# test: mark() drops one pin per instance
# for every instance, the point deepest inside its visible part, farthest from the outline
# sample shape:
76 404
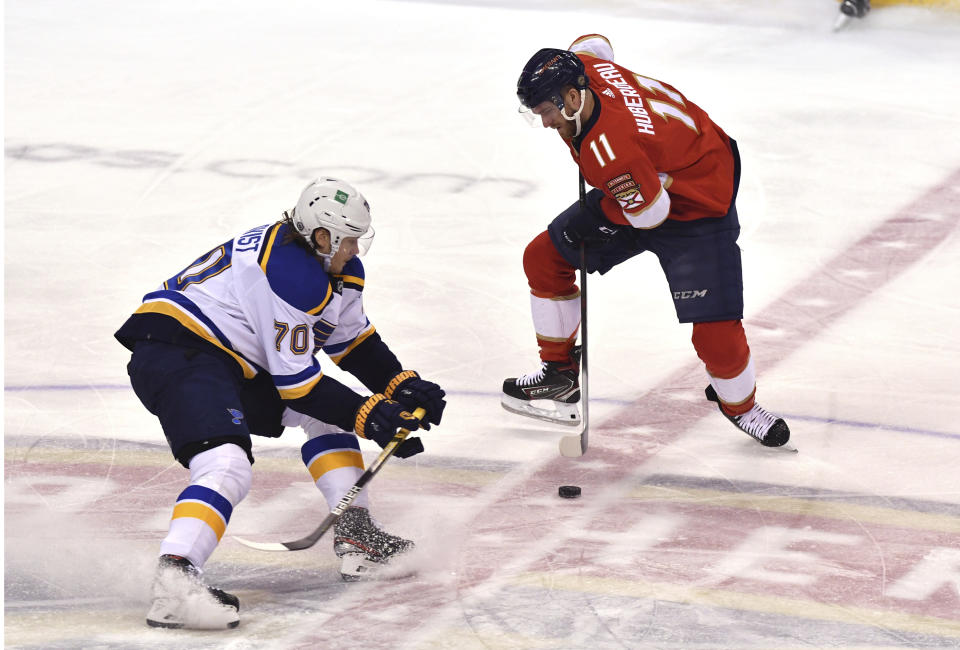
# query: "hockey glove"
411 391
588 225
379 418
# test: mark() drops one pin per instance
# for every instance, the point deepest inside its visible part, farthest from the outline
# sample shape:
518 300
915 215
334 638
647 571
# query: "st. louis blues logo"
237 415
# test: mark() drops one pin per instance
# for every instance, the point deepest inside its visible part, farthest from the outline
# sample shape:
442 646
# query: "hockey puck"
569 491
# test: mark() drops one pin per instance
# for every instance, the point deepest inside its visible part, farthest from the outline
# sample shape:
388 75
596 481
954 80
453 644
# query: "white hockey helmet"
339 208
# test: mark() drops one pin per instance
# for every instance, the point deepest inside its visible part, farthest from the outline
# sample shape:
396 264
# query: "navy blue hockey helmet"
546 74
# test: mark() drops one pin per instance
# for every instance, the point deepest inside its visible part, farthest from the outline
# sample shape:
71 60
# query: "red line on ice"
800 315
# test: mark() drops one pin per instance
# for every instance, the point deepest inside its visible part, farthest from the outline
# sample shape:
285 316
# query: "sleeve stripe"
336 358
321 332
299 390
288 381
324 327
353 280
653 214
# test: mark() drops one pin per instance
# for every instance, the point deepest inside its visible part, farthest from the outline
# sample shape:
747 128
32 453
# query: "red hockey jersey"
646 139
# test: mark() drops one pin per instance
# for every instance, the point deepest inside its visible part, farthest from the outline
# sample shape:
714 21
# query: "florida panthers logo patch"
629 200
626 191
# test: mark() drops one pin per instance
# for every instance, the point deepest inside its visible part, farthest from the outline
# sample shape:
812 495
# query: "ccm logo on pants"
684 295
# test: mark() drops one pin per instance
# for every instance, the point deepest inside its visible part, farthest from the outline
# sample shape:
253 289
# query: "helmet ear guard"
337 207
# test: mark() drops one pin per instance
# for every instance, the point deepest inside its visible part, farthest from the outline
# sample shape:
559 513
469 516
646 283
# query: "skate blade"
195 613
229 625
841 22
565 414
786 447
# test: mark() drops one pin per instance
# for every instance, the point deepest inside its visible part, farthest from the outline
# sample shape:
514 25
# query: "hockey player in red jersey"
225 350
665 179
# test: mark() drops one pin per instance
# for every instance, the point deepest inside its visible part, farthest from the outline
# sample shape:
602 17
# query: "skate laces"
757 421
533 377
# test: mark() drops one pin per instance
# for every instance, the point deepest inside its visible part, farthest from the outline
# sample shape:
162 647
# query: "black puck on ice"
569 491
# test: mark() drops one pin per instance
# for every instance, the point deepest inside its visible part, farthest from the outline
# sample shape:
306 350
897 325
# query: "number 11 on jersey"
606 148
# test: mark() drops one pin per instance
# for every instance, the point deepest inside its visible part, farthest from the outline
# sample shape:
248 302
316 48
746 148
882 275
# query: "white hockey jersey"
266 302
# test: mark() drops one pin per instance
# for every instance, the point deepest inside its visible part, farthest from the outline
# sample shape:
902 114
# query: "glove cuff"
364 412
397 380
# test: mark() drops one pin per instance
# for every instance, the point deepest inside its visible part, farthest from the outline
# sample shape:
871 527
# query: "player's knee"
534 253
545 268
224 469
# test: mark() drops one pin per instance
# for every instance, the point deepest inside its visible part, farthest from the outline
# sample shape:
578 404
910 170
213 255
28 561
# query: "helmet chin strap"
576 116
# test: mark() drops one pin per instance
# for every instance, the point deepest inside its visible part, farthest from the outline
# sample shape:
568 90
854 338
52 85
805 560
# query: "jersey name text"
631 98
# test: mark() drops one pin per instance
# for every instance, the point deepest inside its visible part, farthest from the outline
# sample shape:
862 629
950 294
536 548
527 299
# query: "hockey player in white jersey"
225 349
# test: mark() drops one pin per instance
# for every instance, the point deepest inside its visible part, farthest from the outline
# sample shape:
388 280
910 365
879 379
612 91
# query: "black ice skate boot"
182 600
855 8
768 429
556 382
364 550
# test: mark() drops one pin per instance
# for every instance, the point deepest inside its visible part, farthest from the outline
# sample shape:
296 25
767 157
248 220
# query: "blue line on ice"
473 393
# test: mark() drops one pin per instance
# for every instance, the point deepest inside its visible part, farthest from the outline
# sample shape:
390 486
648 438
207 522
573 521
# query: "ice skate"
850 9
768 429
182 600
855 8
364 550
551 393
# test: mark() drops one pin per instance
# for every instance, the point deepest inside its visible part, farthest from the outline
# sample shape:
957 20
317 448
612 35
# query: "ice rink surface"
139 135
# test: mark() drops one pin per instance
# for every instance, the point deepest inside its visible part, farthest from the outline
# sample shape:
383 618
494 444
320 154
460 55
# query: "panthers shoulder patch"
626 191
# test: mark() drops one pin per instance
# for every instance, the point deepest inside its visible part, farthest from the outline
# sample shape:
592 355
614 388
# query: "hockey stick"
331 519
574 446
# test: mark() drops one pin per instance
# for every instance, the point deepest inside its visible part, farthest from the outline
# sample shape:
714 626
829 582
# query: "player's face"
349 248
551 118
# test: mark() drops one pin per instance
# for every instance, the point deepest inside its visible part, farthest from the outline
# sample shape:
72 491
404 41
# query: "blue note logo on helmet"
546 74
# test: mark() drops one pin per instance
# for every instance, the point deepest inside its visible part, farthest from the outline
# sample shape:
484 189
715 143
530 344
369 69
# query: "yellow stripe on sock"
204 513
334 460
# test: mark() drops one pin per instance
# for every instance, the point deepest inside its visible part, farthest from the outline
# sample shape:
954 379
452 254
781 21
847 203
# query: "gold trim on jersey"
351 279
296 392
165 308
357 341
268 247
326 300
264 259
